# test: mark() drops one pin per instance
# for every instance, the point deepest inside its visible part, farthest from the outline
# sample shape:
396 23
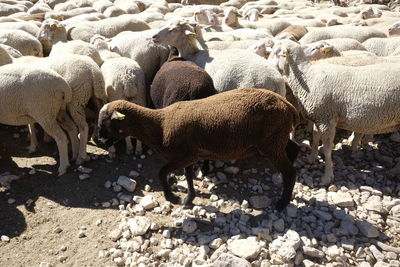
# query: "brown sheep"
229 125
296 31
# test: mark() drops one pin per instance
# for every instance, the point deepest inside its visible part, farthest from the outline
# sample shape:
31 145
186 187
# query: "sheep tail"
67 96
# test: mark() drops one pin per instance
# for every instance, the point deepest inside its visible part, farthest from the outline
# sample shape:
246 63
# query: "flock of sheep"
335 63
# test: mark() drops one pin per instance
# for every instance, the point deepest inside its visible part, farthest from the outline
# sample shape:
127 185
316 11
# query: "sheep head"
370 12
284 53
231 15
206 17
111 124
253 15
394 29
173 33
100 42
320 50
51 32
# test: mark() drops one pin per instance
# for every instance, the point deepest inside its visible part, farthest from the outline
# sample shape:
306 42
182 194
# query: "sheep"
253 15
25 91
229 69
262 47
5 58
14 53
113 11
23 42
320 50
394 29
83 18
206 17
128 6
297 31
382 46
106 27
139 47
341 31
22 25
87 83
229 125
241 44
39 8
345 44
6 10
349 98
77 47
70 13
102 5
234 3
100 43
124 79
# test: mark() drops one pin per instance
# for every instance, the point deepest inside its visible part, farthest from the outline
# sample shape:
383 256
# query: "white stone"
189 226
81 234
5 238
84 176
367 229
341 199
134 174
45 264
313 252
115 235
147 188
374 203
32 171
231 170
333 251
260 202
148 202
57 230
106 204
107 184
84 170
283 249
127 183
139 225
245 248
226 259
11 201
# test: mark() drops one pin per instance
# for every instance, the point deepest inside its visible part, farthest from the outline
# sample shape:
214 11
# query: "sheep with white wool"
229 69
83 18
345 44
69 14
125 80
341 31
24 93
382 46
229 125
23 42
106 27
128 6
5 58
139 47
101 5
101 44
86 82
113 11
345 97
28 27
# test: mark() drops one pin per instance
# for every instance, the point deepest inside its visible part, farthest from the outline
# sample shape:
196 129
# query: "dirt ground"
45 201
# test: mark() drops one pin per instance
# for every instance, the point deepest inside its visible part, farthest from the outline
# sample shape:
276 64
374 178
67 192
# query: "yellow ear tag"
120 116
62 18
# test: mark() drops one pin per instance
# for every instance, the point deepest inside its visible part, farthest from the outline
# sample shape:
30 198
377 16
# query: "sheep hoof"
62 170
326 179
281 205
172 198
187 203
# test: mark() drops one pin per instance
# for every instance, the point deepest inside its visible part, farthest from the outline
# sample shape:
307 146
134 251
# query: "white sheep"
345 44
5 58
139 47
101 44
341 31
106 27
23 42
113 11
83 18
382 46
14 53
343 97
77 47
125 80
229 69
39 8
128 6
394 29
28 27
86 82
25 91
70 13
101 5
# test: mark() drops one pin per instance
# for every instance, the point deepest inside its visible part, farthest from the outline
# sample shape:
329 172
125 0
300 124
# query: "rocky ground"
112 212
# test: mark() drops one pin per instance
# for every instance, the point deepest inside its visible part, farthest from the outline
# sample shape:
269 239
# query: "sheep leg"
314 148
284 165
205 167
189 174
55 131
139 148
68 125
33 139
163 173
129 146
78 116
46 137
327 142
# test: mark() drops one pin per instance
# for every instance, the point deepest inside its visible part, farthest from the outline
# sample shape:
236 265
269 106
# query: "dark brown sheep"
229 125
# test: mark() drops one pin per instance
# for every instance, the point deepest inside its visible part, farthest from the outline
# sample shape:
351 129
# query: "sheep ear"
3 40
190 33
260 15
221 15
117 116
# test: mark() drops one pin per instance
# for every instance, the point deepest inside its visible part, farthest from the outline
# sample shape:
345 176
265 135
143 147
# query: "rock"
62 258
106 204
308 263
395 137
333 251
84 170
325 216
107 184
245 248
45 264
395 211
283 249
367 229
148 202
313 252
11 201
260 202
5 238
245 204
374 203
189 226
115 235
364 264
81 234
57 230
291 211
147 188
229 260
231 170
279 225
341 199
139 225
127 183
117 188
216 243
84 176
32 171
331 238
377 254
134 174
